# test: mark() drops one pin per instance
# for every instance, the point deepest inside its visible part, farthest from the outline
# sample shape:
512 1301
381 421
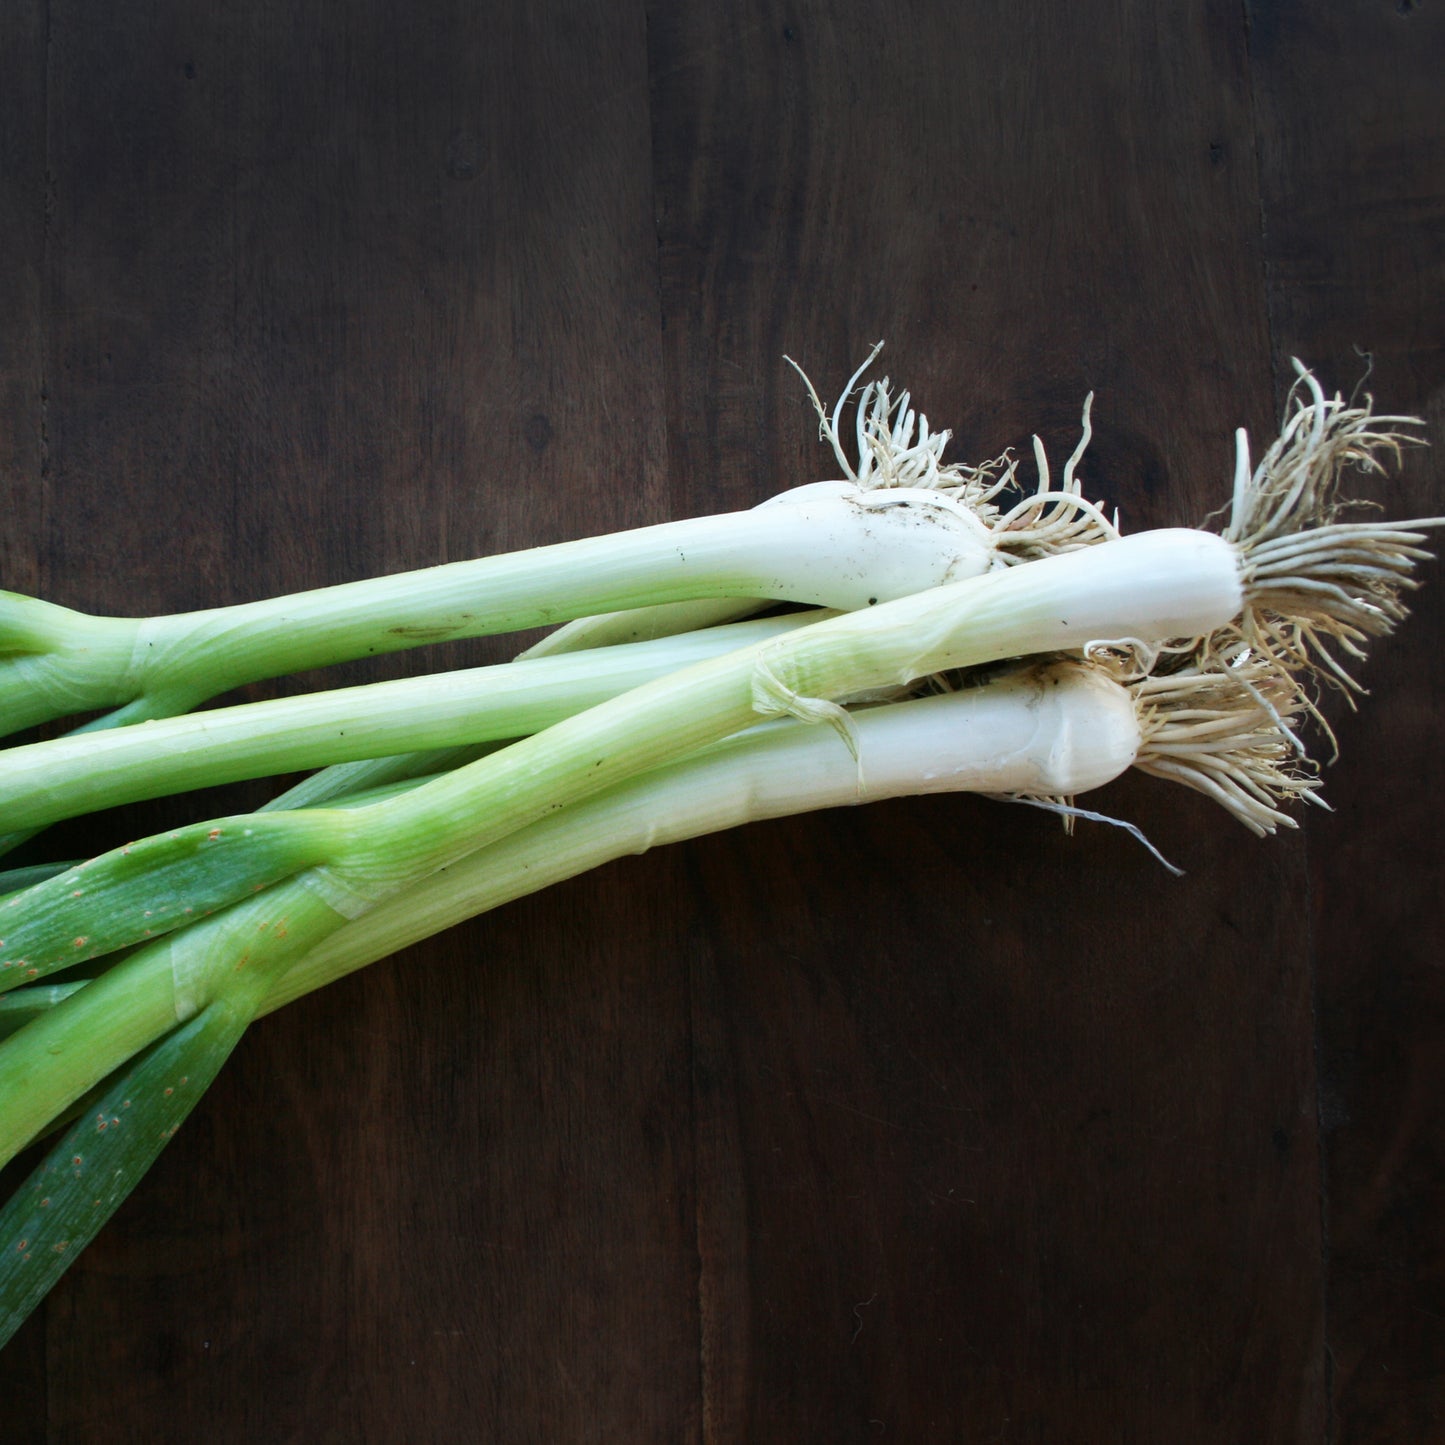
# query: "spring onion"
835 548
1045 732
222 911
299 877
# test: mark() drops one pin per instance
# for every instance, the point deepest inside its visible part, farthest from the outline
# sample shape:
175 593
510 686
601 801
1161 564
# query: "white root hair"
1221 723
1311 578
1070 812
1219 714
895 447
1218 720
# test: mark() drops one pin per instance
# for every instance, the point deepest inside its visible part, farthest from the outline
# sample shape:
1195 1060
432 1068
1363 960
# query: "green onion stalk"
1041 733
832 548
43 782
221 911
310 870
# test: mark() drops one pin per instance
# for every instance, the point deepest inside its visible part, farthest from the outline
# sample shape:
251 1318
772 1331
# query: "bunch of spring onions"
1026 651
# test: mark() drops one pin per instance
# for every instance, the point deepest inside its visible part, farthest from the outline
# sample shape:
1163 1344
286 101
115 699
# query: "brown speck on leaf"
79 943
214 833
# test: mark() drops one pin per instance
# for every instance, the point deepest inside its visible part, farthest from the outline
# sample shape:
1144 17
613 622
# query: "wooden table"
918 1123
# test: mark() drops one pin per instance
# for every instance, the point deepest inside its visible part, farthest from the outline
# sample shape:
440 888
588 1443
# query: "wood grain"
24 465
960 1152
925 1122
1355 241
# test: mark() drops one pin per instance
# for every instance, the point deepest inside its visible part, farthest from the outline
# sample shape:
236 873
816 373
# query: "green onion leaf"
101 1158
151 887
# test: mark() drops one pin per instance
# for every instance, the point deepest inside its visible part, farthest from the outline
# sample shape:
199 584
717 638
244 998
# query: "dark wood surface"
918 1123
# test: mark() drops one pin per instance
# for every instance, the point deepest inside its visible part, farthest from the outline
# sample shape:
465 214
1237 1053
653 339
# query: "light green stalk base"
45 782
644 624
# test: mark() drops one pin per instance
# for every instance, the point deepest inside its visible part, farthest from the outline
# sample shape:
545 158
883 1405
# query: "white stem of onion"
1055 730
829 548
